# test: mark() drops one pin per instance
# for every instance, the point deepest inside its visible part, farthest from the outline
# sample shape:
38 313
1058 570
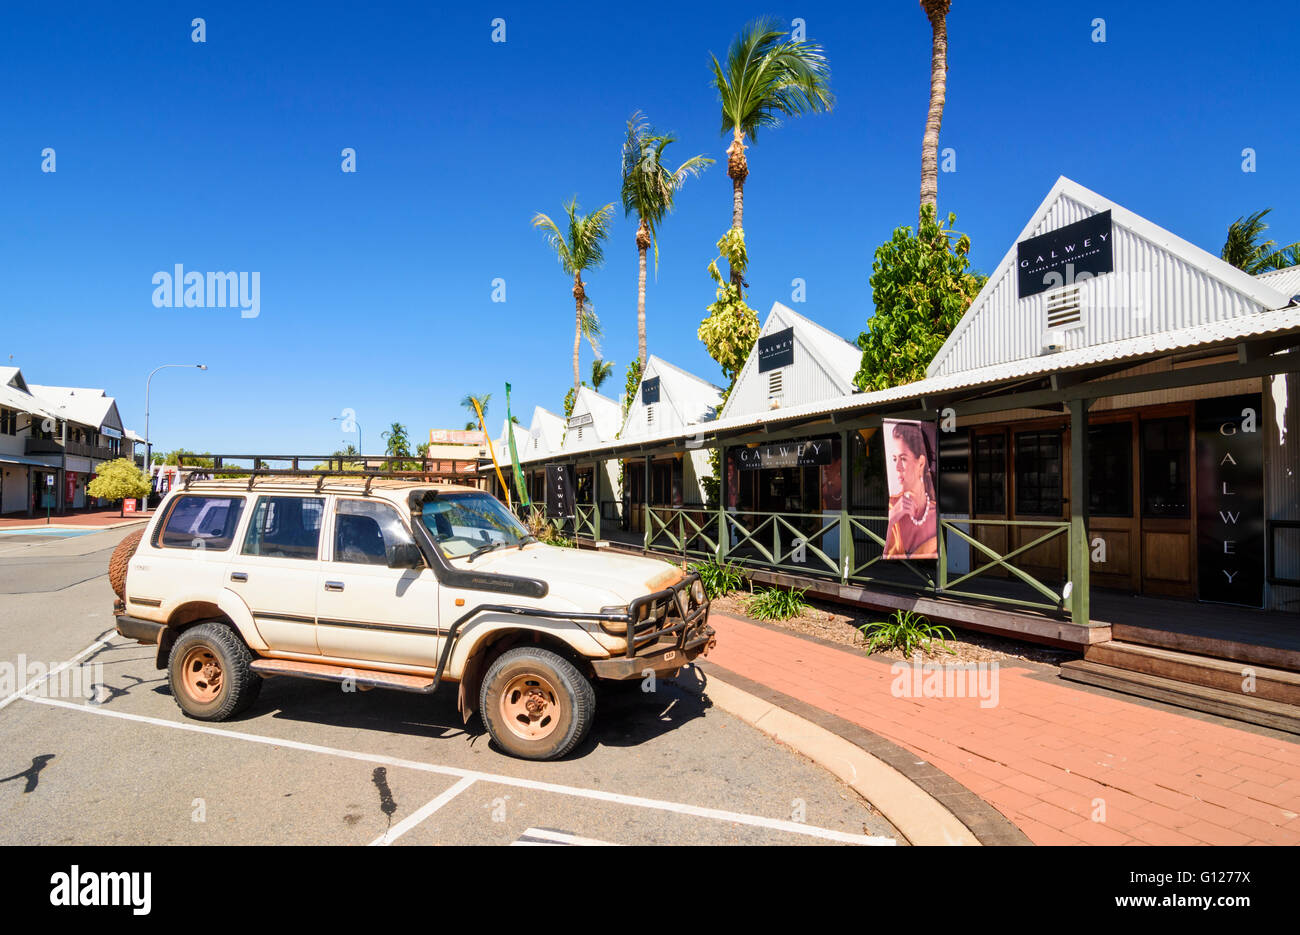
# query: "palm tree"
936 11
579 248
648 190
396 444
600 371
469 401
1245 249
768 75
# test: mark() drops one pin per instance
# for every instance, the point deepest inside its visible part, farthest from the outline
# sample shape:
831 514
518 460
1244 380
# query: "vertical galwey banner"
1230 525
514 456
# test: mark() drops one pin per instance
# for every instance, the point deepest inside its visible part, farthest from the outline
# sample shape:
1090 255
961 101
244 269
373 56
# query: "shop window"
1038 473
1110 469
1165 480
990 474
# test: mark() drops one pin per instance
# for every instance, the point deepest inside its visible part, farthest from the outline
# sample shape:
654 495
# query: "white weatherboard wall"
1160 283
685 400
606 419
545 434
823 368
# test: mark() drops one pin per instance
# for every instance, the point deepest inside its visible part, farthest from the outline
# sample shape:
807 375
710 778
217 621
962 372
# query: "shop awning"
29 462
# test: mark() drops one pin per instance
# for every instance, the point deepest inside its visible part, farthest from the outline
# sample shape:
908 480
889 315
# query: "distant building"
52 441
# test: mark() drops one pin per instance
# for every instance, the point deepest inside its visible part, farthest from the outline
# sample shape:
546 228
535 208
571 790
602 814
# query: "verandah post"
646 520
1078 545
846 532
721 548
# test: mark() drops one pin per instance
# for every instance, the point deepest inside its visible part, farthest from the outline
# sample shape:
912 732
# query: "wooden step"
1233 705
1223 674
1185 639
362 678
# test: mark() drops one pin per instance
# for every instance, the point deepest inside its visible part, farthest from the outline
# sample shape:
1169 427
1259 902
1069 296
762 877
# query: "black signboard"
1063 256
1230 500
559 491
650 391
809 453
776 350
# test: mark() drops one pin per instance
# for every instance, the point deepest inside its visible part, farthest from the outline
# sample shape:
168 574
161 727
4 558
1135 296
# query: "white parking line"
680 808
417 816
549 837
105 640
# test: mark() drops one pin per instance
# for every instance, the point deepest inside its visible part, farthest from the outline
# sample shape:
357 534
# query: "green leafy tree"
648 190
921 285
579 248
120 480
632 381
1246 249
767 76
173 458
731 328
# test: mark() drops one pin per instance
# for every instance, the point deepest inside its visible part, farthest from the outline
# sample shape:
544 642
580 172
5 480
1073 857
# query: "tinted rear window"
195 522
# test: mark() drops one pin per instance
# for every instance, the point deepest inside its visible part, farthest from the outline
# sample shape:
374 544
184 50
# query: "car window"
201 522
285 527
365 532
462 522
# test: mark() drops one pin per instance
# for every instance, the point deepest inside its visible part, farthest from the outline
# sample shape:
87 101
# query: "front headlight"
697 591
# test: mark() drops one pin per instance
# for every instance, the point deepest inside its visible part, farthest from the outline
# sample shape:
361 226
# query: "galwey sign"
1230 523
1064 256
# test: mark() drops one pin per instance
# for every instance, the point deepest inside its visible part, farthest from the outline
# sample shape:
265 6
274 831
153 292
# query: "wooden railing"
850 548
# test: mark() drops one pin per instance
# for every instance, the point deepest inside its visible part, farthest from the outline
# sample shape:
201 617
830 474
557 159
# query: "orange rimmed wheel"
536 704
210 674
530 707
201 674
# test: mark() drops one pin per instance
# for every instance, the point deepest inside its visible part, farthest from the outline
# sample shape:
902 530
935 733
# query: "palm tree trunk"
579 296
936 11
738 170
642 244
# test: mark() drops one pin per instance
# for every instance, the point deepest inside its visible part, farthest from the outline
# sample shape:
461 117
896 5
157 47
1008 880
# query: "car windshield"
462 523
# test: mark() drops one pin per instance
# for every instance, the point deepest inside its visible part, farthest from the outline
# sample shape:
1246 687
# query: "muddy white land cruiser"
388 583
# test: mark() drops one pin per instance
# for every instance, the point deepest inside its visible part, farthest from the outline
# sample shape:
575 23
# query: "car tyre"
209 672
536 704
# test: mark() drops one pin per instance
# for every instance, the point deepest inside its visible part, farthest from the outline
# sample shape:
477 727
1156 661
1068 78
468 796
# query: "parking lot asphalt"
312 764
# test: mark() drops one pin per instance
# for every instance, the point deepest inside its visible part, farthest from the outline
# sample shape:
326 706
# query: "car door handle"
239 576
333 585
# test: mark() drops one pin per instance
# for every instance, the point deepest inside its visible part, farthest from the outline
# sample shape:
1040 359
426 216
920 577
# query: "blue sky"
376 286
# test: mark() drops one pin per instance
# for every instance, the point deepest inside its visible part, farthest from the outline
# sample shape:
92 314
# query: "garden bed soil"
839 623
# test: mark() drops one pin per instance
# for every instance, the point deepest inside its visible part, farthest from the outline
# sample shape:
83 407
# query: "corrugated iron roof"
1227 331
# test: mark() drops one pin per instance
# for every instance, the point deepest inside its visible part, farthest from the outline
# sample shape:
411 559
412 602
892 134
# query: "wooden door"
1167 519
989 463
1114 528
1040 482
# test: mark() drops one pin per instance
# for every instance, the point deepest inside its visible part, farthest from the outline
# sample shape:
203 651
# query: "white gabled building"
595 420
794 362
667 400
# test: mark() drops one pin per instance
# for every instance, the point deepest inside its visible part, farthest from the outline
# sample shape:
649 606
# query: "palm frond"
768 76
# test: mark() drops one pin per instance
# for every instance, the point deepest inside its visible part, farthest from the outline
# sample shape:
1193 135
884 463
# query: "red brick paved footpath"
1047 750
93 518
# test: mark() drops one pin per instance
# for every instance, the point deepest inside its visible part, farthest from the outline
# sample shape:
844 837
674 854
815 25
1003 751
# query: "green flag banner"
514 456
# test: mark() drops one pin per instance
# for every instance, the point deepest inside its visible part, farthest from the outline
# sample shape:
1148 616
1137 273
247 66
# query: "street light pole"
148 446
360 446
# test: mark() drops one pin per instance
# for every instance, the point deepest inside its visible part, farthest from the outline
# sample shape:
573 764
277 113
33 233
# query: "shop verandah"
1016 556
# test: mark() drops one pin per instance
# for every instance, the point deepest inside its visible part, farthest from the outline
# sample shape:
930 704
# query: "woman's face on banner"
908 466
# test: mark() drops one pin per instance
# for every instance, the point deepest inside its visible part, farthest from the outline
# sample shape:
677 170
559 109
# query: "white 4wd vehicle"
385 583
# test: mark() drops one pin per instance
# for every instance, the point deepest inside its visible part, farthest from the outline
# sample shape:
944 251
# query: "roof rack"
326 467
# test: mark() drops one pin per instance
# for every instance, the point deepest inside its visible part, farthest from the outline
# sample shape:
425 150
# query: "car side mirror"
405 555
